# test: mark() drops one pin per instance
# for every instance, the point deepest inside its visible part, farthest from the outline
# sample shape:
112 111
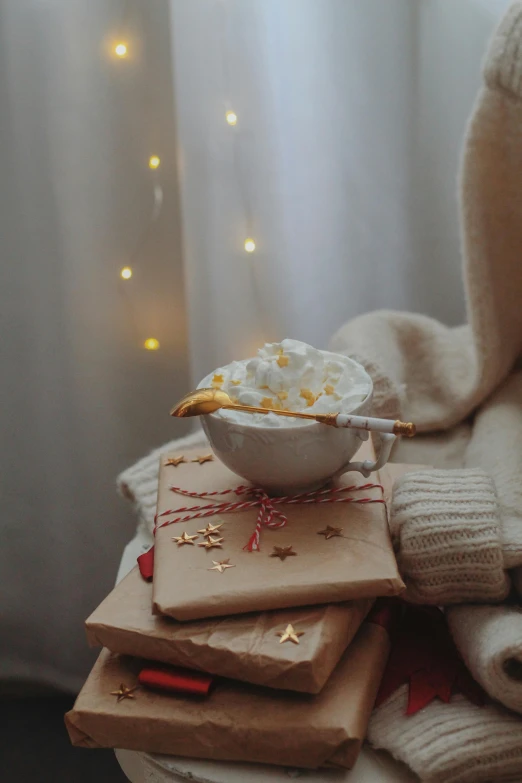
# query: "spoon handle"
371 423
340 420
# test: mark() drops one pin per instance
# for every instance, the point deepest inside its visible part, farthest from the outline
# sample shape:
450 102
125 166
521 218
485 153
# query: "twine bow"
254 497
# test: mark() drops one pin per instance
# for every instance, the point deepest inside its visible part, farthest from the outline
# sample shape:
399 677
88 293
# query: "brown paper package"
237 722
243 647
358 564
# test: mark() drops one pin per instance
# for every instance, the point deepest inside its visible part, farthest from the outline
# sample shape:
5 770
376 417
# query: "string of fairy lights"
122 49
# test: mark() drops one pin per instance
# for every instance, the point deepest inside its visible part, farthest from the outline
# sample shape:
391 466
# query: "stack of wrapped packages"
250 631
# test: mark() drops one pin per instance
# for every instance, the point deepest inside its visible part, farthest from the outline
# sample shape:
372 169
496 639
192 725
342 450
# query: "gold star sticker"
210 529
184 538
282 552
331 532
203 459
175 461
289 635
221 565
124 692
210 543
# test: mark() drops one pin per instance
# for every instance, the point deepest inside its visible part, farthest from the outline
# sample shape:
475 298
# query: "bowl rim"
289 427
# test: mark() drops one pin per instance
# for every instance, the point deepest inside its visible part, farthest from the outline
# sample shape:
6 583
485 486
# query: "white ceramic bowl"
290 459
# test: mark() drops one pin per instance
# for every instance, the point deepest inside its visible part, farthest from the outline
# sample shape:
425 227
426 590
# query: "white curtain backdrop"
341 167
80 398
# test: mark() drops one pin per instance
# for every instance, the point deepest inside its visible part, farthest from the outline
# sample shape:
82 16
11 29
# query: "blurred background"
179 182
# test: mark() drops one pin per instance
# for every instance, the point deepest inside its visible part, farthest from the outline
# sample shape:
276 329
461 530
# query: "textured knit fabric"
444 534
490 642
450 743
445 528
438 376
496 447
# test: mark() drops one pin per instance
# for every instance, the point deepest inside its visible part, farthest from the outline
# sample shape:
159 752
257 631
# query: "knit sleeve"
495 446
450 743
445 527
421 369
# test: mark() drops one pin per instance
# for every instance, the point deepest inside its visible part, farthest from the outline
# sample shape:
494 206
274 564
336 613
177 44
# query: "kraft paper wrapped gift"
244 647
187 585
237 722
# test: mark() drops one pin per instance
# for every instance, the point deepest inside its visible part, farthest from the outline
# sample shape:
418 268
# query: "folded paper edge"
390 587
92 638
78 737
345 755
100 636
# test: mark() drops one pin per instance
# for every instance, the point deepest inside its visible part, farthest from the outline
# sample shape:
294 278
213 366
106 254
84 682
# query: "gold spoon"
204 401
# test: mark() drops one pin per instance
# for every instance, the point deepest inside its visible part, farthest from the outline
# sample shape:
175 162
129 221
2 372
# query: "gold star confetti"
184 538
175 461
210 543
203 459
289 635
331 532
221 565
124 692
210 529
282 552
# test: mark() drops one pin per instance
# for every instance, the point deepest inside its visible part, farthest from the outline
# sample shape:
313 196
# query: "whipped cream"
292 376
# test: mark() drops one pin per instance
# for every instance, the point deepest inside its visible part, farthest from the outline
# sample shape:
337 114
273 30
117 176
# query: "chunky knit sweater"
437 376
458 532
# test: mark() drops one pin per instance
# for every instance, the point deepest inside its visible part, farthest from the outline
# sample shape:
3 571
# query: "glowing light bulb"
151 344
126 273
250 245
231 117
121 49
154 162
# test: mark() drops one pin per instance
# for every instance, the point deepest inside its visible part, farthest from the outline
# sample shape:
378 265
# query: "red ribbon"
386 613
257 497
424 656
172 679
146 564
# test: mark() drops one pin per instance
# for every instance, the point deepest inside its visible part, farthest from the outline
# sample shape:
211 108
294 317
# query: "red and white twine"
268 515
